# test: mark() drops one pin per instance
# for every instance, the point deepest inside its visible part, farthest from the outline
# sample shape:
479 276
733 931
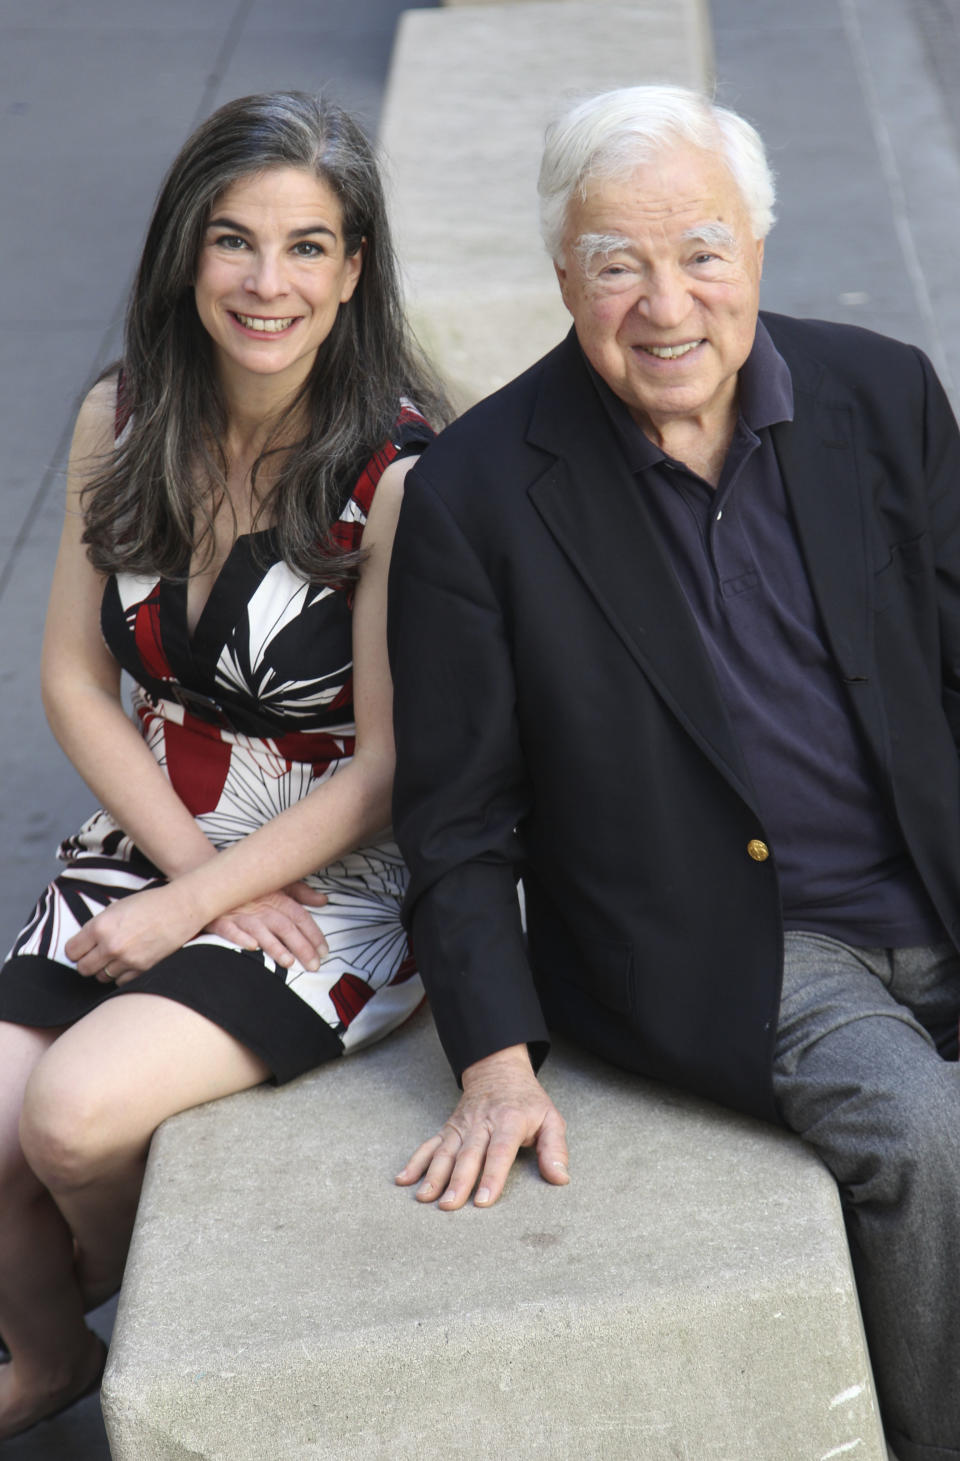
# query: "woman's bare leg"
54 1355
94 1101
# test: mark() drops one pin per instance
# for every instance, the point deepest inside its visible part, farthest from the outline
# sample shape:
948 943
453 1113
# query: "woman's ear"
352 272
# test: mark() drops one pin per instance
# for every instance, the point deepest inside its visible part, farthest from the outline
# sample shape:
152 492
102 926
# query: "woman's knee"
18 1181
68 1133
20 1051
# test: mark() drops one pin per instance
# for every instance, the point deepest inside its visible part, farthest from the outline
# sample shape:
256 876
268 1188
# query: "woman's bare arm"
81 679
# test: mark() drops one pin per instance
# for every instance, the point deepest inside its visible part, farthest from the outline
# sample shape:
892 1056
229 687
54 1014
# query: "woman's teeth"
266 327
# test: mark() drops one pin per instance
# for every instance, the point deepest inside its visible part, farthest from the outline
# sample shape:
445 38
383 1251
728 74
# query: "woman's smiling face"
272 273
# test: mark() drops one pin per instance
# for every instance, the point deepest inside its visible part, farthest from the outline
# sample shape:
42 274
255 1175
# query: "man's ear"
563 279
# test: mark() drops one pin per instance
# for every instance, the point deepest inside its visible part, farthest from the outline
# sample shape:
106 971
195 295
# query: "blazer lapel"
595 510
820 469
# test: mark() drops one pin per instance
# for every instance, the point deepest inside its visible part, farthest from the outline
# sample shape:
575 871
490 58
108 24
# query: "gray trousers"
866 1072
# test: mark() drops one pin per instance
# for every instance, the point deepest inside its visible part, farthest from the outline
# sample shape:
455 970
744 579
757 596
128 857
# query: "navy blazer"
557 716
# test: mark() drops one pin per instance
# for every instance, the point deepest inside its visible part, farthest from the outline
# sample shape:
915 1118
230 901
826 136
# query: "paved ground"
857 98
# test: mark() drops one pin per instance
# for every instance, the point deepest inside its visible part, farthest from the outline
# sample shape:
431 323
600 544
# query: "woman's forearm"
348 810
109 753
345 812
239 893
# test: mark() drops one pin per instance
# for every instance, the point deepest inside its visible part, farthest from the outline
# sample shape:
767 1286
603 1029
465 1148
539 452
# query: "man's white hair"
611 134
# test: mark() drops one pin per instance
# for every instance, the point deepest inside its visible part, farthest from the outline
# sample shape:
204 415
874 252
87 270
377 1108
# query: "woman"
232 495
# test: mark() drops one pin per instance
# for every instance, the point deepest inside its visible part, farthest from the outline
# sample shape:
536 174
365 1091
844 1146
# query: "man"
676 635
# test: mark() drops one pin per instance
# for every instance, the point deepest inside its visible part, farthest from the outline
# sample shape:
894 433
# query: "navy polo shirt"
841 860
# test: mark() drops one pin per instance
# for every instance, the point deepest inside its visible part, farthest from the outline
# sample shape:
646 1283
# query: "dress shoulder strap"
411 434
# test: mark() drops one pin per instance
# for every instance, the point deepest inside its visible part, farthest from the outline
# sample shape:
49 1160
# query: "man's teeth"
670 352
266 327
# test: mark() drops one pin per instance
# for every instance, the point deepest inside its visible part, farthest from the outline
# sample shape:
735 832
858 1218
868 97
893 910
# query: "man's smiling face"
661 273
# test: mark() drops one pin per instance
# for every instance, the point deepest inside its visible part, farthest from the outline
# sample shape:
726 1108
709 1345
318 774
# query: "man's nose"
665 300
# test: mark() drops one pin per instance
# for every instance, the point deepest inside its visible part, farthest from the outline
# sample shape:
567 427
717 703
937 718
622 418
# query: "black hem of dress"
232 989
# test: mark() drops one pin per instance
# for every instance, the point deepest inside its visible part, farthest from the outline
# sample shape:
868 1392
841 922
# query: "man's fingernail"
562 1167
483 1196
449 1196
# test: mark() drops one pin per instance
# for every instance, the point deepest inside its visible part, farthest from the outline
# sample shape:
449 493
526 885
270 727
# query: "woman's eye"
232 242
306 249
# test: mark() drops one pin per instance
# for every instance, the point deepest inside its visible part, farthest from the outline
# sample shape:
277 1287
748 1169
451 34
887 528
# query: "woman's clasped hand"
133 934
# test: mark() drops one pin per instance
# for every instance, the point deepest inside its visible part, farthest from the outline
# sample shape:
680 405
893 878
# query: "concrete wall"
471 90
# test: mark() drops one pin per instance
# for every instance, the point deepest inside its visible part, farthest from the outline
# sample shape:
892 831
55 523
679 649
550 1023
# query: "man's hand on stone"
503 1108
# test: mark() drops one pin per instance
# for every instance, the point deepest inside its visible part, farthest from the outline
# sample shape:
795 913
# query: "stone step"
688 1295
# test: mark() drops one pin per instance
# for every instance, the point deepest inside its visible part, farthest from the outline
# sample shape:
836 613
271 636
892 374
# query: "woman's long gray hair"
155 500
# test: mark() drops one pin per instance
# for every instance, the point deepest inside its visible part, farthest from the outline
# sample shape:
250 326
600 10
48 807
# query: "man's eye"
615 277
705 258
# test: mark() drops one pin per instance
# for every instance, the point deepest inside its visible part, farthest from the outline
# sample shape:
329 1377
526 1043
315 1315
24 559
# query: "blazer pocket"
906 561
605 971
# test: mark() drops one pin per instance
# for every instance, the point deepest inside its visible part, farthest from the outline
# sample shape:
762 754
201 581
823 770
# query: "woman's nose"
267 277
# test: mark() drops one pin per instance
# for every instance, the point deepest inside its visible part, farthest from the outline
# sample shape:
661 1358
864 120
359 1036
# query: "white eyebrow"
714 235
589 245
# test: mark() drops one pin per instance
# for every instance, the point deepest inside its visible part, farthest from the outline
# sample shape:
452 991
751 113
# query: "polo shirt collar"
765 399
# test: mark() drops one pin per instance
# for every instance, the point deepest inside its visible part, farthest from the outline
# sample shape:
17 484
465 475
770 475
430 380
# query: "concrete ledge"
688 1295
471 90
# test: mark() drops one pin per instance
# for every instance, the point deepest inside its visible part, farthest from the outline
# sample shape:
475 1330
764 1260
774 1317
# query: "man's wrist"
513 1057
